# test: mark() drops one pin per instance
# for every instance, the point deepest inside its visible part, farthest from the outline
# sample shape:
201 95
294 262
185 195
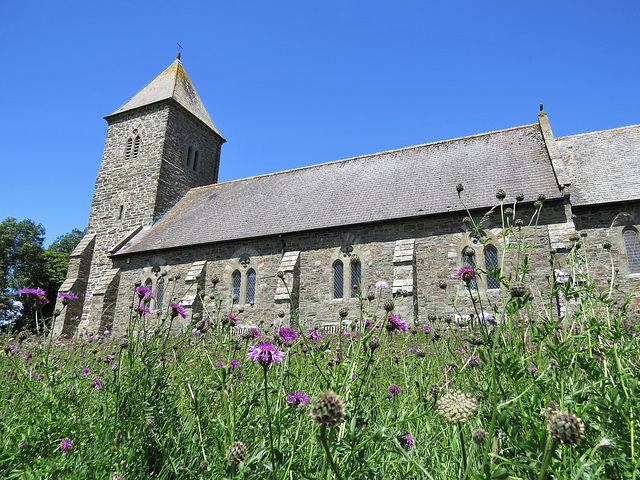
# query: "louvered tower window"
491 264
136 147
127 151
338 279
632 247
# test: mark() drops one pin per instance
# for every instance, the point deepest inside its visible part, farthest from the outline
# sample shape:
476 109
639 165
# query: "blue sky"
295 83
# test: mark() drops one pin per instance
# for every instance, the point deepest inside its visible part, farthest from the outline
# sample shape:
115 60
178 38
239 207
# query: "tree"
24 262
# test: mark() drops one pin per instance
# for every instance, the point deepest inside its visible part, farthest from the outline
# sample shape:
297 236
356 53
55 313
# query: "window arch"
632 248
338 279
236 286
490 265
346 271
192 160
251 286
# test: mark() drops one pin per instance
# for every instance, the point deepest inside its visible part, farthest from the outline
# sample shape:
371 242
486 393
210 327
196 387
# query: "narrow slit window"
491 264
120 212
632 247
160 293
136 147
237 282
251 286
338 279
189 156
195 161
356 278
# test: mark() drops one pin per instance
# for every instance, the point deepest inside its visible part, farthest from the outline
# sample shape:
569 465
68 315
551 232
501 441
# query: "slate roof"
172 83
406 183
604 166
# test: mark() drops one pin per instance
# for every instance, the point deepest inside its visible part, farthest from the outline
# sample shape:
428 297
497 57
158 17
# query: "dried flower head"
479 435
520 197
500 194
457 406
237 453
565 428
459 188
343 312
518 222
389 305
606 245
327 409
518 289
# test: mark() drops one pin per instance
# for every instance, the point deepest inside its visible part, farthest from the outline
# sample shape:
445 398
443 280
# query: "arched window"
127 151
490 265
237 283
251 286
189 150
632 247
136 147
149 284
356 278
195 161
338 279
160 293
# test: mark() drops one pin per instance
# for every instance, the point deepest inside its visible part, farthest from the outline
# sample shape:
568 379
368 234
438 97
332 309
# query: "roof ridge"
597 131
385 152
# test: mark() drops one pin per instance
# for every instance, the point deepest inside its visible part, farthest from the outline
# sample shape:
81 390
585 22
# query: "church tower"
159 145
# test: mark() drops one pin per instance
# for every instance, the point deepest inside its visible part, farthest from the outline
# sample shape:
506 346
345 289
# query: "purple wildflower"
255 333
288 334
381 284
234 363
65 446
394 389
532 368
296 398
143 309
407 441
232 319
313 335
265 353
39 295
66 297
466 274
143 291
86 371
396 323
177 309
97 383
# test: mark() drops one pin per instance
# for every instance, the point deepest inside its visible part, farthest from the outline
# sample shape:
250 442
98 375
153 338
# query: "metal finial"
541 107
179 49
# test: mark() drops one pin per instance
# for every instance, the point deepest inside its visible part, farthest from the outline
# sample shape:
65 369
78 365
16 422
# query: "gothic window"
632 247
237 283
159 293
243 282
347 273
491 264
251 286
195 161
356 278
189 151
338 279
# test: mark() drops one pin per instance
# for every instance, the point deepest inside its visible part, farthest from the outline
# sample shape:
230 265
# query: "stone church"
321 236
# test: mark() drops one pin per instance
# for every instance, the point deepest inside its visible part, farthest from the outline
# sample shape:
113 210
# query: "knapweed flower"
143 309
97 383
327 409
394 390
177 309
65 446
288 334
406 441
313 335
381 284
237 453
565 428
395 323
255 333
265 353
466 274
86 371
67 297
143 291
38 294
297 398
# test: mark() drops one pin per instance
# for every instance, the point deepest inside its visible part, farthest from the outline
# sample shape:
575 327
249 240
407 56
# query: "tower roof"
173 82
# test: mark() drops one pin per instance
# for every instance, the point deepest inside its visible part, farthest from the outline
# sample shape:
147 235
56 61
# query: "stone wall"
438 242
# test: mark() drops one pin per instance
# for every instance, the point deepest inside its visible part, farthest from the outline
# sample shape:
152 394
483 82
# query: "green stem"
325 444
549 449
266 404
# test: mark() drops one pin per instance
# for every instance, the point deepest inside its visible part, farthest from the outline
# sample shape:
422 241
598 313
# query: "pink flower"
177 309
265 353
466 274
65 446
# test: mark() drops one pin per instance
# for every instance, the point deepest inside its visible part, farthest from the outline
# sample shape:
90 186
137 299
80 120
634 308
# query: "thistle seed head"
237 453
566 428
327 409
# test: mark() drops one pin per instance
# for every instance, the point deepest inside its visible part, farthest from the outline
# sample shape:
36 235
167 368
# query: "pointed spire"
173 83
